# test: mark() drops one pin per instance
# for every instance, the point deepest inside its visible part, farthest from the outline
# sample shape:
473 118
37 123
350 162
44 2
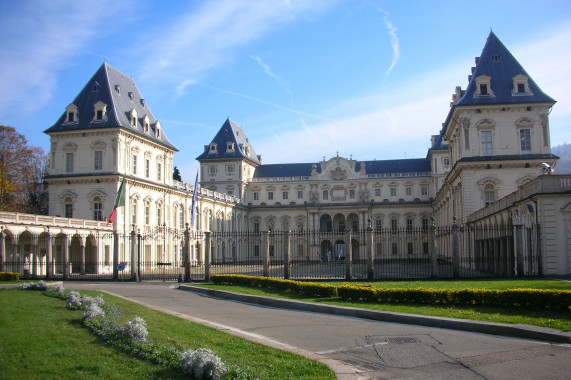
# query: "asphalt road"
367 349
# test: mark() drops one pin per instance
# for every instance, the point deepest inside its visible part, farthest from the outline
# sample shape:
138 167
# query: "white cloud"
395 44
209 35
37 42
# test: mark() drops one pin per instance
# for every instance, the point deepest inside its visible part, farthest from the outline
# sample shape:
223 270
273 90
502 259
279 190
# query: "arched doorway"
326 251
339 222
325 223
340 250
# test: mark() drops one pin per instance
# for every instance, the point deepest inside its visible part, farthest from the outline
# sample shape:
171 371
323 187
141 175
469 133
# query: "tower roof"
497 63
121 96
230 132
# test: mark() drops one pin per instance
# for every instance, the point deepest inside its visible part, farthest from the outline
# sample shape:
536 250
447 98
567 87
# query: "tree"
176 174
22 168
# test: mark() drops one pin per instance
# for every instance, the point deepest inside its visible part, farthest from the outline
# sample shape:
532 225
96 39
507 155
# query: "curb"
502 329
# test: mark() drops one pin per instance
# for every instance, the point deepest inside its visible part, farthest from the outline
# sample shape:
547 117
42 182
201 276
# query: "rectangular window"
212 169
285 195
377 192
352 194
394 248
70 116
99 114
378 224
230 169
181 218
408 190
525 137
486 143
147 168
97 211
159 217
256 196
483 89
98 160
425 224
68 212
256 227
409 248
521 88
272 250
159 171
409 224
270 195
425 248
489 197
147 215
325 195
134 164
394 224
393 191
256 251
69 162
446 161
424 190
299 194
134 214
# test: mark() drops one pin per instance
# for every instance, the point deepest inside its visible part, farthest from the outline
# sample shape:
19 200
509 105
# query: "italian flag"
119 201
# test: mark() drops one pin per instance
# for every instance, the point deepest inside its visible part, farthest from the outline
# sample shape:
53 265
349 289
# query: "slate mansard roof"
121 95
230 132
413 165
500 65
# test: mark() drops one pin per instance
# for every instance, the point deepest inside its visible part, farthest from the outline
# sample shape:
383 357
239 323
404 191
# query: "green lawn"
555 319
41 339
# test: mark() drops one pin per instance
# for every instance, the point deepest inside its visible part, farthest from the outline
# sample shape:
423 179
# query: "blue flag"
194 196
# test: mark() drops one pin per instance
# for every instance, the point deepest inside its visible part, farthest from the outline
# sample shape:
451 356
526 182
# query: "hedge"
535 298
9 276
310 289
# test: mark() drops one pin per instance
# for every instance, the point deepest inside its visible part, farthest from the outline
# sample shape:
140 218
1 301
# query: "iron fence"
172 254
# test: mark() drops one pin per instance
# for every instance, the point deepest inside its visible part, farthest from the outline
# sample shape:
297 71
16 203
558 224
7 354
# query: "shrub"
73 301
202 364
91 312
40 285
9 276
136 328
56 292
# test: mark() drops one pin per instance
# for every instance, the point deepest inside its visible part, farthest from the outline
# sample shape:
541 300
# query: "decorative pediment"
489 181
336 169
68 194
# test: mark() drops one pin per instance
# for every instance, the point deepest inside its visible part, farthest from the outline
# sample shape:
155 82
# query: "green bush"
310 289
9 276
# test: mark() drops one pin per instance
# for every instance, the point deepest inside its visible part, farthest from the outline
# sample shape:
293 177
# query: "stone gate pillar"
370 254
49 253
348 257
65 252
207 254
287 255
266 253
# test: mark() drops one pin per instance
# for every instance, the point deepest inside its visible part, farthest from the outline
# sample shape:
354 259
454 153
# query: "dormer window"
213 148
146 125
158 131
95 86
131 95
118 88
71 114
134 119
100 109
230 146
483 87
520 85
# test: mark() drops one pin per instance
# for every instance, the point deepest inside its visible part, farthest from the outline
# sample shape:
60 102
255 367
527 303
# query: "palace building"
493 143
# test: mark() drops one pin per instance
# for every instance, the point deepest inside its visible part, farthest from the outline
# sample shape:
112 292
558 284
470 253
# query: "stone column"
207 254
287 255
348 257
2 251
455 250
49 265
433 250
133 263
115 262
266 253
186 253
370 254
82 255
65 253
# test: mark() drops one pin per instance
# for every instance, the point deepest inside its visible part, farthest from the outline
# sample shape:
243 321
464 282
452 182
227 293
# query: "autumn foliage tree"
22 169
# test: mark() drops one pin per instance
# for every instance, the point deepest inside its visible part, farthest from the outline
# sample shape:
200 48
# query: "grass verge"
554 319
41 339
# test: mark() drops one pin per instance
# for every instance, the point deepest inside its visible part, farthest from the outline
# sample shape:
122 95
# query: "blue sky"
304 79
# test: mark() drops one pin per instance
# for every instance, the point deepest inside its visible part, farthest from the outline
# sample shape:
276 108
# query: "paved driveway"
377 350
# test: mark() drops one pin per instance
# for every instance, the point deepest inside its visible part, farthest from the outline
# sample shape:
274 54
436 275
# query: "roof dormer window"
95 86
483 87
229 146
133 118
131 95
520 85
100 113
118 88
158 129
71 114
213 148
146 124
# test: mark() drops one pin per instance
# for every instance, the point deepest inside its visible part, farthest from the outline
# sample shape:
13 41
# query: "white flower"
202 364
91 312
136 328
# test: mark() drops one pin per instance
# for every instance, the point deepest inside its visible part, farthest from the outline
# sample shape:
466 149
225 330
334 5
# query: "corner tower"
229 161
497 132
